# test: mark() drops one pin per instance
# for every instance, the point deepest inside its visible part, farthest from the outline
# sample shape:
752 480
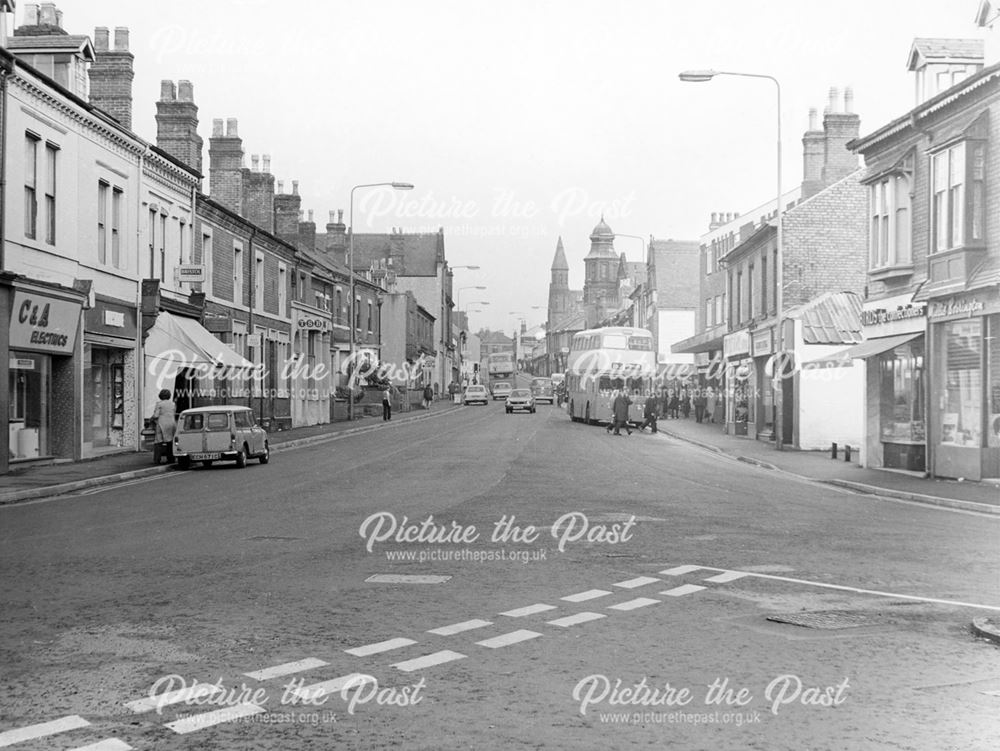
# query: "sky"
525 120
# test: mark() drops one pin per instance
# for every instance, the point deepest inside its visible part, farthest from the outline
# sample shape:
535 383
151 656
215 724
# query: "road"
646 629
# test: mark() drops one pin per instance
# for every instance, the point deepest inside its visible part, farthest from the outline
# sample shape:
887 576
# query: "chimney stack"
177 123
258 193
813 157
839 128
286 214
336 237
225 165
111 74
307 232
254 163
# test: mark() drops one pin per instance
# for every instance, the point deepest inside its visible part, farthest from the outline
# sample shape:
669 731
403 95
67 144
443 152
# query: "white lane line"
590 594
639 581
505 640
382 646
572 620
728 576
286 668
529 610
457 628
684 589
197 691
71 722
407 579
680 570
215 717
319 690
108 744
437 658
859 590
638 602
128 483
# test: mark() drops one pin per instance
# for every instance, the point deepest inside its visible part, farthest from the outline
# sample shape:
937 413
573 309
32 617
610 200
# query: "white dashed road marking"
684 589
529 610
10 737
680 570
427 661
457 628
590 594
215 717
382 646
319 690
197 691
110 744
505 640
639 602
639 581
287 668
572 620
728 576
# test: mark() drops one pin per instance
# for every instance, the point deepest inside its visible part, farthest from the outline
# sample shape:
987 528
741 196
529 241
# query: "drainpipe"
6 70
253 329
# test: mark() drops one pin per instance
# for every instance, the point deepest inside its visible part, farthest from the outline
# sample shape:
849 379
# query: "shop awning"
867 348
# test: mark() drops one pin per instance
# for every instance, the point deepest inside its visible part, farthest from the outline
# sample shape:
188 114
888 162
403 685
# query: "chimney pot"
340 216
281 186
31 14
59 17
813 122
310 215
333 215
217 128
714 215
266 163
849 100
48 14
231 128
100 33
185 91
121 39
834 95
295 187
254 163
302 215
168 92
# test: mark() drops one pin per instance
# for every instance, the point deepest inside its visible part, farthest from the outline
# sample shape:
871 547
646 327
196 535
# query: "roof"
416 254
573 322
51 43
931 48
218 408
832 318
602 229
559 262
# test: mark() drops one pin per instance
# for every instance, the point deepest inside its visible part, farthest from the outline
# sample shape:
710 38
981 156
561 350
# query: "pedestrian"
619 412
700 402
387 403
666 403
685 404
710 402
165 417
649 412
674 404
428 396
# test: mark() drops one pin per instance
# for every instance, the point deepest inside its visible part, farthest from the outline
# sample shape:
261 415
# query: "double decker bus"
606 359
499 367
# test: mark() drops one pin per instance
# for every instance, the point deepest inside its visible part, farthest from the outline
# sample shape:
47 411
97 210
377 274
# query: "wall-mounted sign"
192 273
21 363
956 306
44 324
884 316
114 318
253 340
736 343
762 343
313 323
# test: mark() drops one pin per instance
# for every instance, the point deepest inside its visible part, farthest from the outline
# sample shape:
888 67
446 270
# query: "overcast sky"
519 122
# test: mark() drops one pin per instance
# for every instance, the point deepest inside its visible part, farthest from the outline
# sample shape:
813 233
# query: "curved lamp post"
778 368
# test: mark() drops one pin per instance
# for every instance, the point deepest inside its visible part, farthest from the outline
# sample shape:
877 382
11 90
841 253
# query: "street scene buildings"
211 539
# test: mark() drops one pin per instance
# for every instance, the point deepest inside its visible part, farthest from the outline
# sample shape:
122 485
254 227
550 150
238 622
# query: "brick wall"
111 76
177 123
225 153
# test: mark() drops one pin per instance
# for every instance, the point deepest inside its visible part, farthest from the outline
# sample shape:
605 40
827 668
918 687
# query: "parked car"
220 433
500 390
476 393
520 399
541 389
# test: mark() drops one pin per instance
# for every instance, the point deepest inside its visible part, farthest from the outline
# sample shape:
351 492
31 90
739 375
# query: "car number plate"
204 457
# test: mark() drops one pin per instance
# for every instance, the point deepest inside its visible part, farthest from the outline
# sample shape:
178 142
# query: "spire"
559 262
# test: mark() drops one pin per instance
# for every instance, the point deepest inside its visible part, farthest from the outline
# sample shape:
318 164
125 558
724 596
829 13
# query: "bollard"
833 451
847 452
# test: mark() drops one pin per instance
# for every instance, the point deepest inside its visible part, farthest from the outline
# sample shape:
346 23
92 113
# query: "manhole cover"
825 619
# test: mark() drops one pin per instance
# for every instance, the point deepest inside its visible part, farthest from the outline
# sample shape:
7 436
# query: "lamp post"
634 237
778 367
350 270
458 294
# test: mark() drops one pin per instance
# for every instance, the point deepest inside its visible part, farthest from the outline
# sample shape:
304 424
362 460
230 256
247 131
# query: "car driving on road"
541 389
520 399
476 394
500 390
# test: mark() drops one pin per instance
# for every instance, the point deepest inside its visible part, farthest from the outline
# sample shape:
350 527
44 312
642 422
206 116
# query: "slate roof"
421 252
940 48
50 42
832 318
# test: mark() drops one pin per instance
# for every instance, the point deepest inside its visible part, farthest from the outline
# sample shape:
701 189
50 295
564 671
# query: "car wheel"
184 462
266 456
532 410
241 457
510 411
572 413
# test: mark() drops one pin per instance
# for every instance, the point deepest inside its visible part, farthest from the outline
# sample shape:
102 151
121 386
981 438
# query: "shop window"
901 394
993 364
29 395
963 386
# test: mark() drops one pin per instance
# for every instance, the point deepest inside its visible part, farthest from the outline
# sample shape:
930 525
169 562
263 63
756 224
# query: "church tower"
560 297
600 287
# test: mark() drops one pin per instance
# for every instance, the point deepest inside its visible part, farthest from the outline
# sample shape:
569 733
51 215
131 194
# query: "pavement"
819 466
28 482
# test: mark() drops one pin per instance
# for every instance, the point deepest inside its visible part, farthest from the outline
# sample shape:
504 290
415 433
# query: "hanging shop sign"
44 324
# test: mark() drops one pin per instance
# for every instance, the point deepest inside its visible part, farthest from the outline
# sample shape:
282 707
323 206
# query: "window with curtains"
959 195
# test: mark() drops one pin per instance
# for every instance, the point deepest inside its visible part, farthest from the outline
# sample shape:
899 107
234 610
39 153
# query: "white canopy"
175 343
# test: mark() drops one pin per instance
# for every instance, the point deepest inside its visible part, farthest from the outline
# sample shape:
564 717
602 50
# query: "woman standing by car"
165 417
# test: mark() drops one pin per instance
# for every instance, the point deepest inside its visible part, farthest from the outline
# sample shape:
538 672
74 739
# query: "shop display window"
29 394
993 363
901 387
961 418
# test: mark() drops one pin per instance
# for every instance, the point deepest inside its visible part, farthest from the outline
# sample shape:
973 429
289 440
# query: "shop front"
43 401
740 384
964 437
110 415
761 350
311 387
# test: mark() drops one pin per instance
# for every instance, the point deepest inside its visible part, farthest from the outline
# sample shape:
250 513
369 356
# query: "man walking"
387 403
649 412
619 413
428 396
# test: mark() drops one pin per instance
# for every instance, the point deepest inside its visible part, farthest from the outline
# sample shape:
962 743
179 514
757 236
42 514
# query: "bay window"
959 180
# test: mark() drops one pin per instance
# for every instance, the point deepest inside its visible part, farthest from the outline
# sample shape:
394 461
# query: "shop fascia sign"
884 316
956 306
736 343
44 324
313 323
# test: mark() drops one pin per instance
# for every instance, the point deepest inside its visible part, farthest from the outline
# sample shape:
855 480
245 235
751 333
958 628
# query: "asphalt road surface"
537 584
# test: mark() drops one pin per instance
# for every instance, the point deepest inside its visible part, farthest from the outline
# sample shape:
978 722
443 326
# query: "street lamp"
635 237
778 367
350 270
458 293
